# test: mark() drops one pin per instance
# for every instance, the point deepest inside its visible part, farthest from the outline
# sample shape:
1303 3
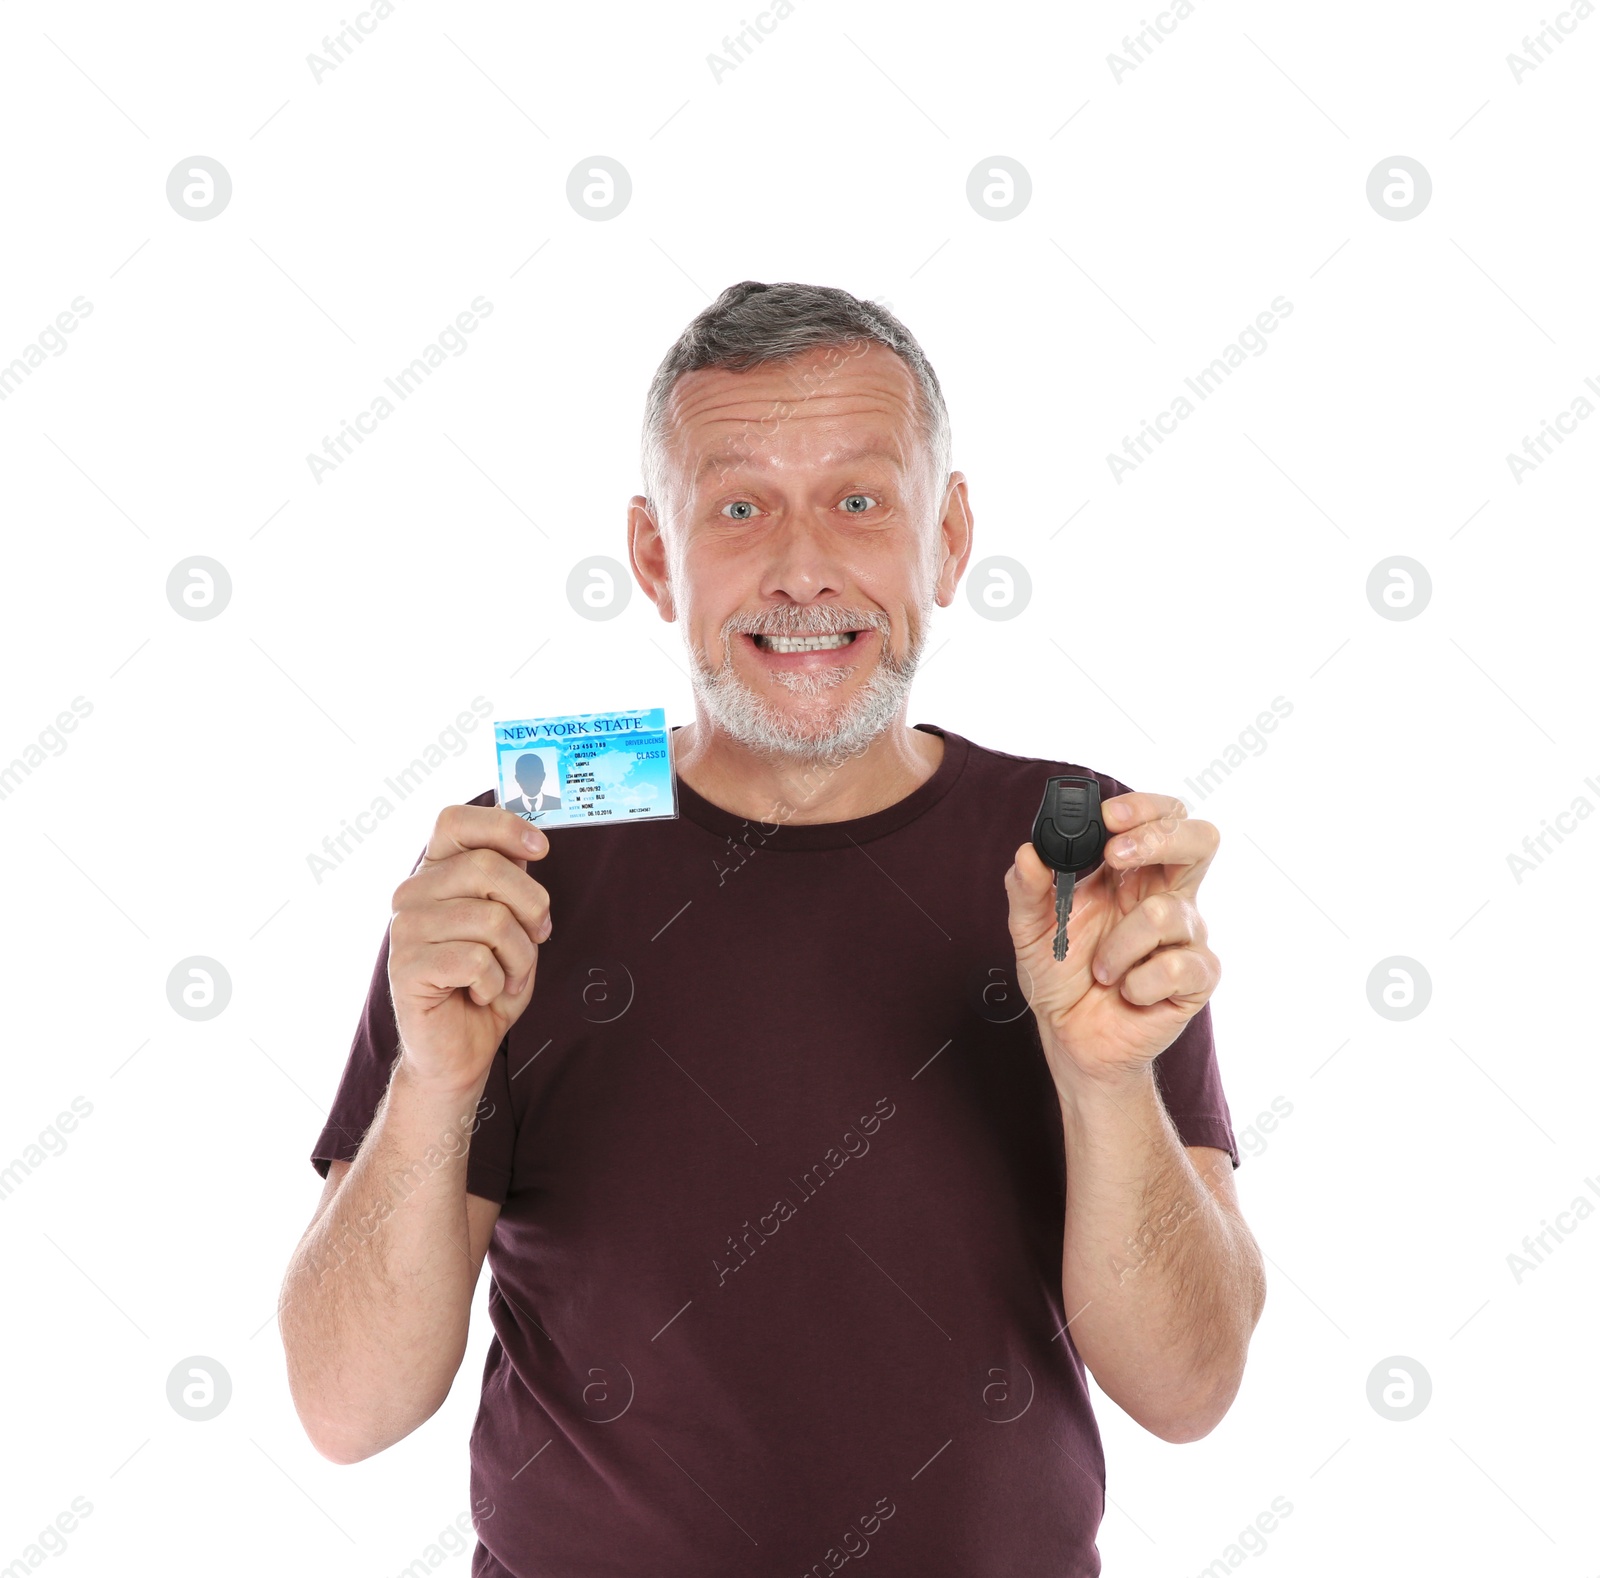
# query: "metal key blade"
1065 883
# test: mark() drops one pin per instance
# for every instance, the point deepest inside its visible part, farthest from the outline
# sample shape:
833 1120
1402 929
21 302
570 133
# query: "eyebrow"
731 462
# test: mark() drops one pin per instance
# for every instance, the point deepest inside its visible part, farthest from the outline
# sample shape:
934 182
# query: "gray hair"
751 323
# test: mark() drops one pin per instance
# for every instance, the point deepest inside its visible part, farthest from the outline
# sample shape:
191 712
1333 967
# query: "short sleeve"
1191 1088
1186 1073
366 1078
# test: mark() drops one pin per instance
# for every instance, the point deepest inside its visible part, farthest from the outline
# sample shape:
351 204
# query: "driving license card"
590 767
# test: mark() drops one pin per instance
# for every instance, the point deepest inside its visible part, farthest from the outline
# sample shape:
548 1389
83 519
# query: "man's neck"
729 775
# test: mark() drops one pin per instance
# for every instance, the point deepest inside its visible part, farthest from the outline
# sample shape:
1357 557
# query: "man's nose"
803 561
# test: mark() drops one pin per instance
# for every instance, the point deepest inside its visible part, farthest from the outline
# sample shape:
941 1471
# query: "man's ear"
955 539
647 556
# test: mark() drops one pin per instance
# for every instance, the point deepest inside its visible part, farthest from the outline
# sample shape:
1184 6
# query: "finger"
1029 875
444 966
1124 811
1166 843
1187 976
460 827
1030 891
1160 921
475 920
479 874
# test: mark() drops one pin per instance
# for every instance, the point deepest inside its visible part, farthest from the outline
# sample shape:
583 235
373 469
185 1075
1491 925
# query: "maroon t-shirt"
776 1280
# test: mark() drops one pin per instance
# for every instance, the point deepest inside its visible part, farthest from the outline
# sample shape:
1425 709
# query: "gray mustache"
813 622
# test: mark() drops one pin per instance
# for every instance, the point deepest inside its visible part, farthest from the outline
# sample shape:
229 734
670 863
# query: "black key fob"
1069 832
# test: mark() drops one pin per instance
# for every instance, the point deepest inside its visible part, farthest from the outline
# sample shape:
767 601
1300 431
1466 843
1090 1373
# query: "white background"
1168 609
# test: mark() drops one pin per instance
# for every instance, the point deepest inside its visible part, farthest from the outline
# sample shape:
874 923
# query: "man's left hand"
1137 967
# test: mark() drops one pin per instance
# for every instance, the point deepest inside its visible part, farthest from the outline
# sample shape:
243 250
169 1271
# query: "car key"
1069 835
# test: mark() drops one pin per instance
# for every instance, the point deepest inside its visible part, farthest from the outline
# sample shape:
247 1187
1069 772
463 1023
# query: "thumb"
1030 886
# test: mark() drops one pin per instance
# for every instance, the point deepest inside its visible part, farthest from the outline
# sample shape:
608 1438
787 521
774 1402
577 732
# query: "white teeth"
806 643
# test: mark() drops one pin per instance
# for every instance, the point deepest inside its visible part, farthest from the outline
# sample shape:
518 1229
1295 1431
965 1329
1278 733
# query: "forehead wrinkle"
760 452
707 391
741 409
762 459
707 400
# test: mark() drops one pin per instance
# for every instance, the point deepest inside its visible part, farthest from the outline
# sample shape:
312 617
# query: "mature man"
811 1180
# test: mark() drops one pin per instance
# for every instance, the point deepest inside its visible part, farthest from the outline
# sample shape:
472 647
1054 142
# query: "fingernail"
533 839
1125 848
1101 973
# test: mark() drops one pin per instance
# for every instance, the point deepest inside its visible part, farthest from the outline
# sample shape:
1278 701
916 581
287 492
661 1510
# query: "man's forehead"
831 405
765 457
823 382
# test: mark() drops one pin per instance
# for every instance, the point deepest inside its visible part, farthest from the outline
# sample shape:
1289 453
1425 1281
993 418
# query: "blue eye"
857 503
740 504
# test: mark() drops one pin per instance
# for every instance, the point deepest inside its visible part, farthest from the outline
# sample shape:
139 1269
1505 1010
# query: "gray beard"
816 734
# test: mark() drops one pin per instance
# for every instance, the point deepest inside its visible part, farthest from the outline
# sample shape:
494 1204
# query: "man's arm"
1161 1279
375 1305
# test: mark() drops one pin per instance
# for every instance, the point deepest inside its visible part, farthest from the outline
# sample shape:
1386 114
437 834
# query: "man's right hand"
463 943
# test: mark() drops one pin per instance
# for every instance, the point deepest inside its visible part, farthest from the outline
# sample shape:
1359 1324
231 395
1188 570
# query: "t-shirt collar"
783 834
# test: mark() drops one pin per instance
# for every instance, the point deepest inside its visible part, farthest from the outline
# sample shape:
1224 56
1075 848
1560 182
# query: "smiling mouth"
822 643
